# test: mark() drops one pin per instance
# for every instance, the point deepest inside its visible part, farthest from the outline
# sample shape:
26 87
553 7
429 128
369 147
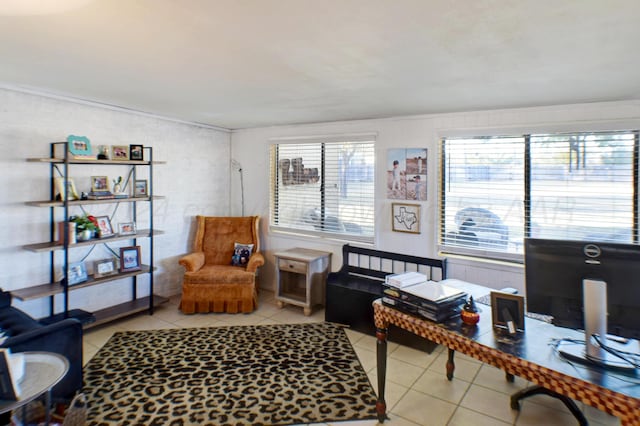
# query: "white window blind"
495 191
324 188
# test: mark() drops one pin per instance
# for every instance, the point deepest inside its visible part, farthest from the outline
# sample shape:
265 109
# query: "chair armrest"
193 261
64 338
255 261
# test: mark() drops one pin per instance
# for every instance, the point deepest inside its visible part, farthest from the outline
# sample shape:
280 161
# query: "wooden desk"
529 357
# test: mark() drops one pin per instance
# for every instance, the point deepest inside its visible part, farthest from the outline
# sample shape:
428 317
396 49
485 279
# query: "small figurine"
469 313
117 185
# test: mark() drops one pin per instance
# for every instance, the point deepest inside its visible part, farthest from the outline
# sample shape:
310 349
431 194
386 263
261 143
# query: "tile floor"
417 391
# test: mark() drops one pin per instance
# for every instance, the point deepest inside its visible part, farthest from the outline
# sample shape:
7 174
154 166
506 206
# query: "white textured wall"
195 180
251 147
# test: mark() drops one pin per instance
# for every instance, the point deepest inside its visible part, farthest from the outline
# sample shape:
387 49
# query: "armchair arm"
193 261
64 338
255 261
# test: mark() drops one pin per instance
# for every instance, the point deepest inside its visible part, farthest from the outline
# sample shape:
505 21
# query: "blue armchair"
64 337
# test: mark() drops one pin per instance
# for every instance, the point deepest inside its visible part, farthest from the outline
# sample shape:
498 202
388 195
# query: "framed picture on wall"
405 217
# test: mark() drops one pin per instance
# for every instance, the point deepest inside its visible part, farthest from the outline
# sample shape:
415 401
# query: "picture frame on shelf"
127 228
130 259
61 188
104 268
405 218
119 152
140 188
77 273
136 152
99 184
507 311
104 225
79 147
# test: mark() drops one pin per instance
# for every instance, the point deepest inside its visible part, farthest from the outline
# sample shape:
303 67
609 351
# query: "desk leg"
450 365
381 352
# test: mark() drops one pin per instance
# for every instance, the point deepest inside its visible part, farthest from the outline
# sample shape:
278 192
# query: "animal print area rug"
244 375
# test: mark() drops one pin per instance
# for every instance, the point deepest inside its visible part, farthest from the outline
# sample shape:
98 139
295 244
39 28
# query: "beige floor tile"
464 369
145 322
367 359
596 416
198 320
424 409
489 402
415 357
402 373
98 336
532 414
494 378
88 352
436 384
392 394
466 417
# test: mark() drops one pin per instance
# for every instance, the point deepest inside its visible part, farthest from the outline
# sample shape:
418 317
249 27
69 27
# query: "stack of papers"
406 280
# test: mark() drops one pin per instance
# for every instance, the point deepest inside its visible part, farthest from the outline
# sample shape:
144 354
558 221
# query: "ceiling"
249 63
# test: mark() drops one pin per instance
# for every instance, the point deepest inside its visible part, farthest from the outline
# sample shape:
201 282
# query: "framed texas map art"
405 217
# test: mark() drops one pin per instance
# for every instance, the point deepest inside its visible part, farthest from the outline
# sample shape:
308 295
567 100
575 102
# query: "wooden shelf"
55 203
55 246
52 289
109 162
124 310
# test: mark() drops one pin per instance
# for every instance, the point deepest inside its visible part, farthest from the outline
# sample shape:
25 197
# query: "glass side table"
42 371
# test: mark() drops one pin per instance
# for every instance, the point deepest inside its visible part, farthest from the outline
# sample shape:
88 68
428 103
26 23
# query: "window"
324 187
497 190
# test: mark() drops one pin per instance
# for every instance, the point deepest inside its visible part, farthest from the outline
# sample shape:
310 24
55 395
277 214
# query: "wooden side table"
301 276
42 371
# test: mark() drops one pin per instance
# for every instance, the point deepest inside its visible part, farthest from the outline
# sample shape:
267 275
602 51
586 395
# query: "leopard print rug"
243 375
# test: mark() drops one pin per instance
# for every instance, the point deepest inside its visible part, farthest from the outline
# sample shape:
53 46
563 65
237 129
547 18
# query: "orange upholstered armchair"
212 283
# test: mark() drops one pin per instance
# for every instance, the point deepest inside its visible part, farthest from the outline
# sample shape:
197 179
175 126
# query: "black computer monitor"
556 271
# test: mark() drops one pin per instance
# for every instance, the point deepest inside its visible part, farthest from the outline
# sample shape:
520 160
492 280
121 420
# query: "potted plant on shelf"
86 226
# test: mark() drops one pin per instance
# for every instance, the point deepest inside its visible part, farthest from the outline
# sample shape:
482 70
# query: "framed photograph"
140 188
99 184
77 273
507 311
405 217
104 267
79 146
104 152
136 152
130 259
104 224
119 152
61 188
127 228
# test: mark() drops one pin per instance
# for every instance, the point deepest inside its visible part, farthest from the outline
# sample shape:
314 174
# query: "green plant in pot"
86 226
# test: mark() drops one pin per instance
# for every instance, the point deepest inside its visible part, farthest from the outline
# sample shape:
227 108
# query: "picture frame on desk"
507 311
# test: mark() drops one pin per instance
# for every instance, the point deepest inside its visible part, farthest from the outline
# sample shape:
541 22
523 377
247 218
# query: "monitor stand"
594 294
